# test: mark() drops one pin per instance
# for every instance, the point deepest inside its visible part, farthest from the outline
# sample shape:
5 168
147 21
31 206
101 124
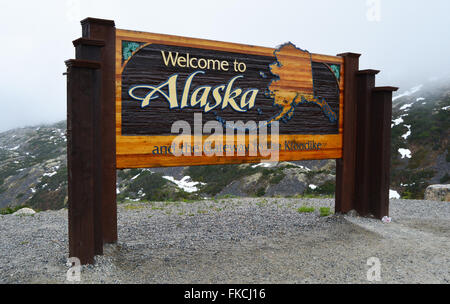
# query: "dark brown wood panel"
105 31
147 67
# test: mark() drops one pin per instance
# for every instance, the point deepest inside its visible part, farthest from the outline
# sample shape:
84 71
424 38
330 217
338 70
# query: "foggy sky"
410 43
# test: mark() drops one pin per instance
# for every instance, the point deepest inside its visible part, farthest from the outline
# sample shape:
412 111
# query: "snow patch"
393 194
15 148
136 176
265 165
407 134
305 168
50 174
446 108
405 153
420 99
185 183
132 200
408 93
397 121
406 107
313 187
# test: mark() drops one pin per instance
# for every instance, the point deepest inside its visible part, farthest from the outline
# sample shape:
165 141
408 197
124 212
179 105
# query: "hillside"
420 139
33 172
33 169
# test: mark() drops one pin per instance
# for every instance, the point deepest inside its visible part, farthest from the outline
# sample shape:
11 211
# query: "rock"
25 211
294 183
438 193
353 213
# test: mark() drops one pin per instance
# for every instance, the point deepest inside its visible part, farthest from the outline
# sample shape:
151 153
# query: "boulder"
438 193
25 211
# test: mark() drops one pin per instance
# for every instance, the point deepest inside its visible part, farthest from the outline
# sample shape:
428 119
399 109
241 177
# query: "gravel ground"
245 240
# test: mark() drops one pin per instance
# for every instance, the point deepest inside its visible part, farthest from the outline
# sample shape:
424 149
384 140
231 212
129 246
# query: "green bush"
305 209
260 192
51 192
325 211
326 189
11 210
219 176
277 177
445 179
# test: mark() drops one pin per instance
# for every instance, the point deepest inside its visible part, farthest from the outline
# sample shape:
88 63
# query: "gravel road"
245 240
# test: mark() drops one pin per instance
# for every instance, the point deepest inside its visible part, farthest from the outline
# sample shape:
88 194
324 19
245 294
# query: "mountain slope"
420 140
33 168
33 172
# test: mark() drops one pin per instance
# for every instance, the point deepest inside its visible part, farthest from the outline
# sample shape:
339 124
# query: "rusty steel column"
87 49
380 151
83 93
346 166
366 82
105 31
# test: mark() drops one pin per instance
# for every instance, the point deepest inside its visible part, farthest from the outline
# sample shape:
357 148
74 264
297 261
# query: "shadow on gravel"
434 226
334 251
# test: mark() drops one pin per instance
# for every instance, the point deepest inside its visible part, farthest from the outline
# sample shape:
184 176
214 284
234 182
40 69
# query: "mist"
407 40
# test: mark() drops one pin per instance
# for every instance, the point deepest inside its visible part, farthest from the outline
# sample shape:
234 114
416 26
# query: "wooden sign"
127 92
162 79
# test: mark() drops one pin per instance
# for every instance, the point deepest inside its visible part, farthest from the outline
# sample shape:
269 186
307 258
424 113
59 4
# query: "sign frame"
136 151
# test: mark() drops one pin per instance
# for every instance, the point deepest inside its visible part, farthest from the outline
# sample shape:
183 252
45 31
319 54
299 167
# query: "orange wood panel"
137 151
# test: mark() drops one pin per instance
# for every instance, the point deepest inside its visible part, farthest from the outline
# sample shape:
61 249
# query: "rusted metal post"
366 82
345 167
380 151
87 49
83 93
105 31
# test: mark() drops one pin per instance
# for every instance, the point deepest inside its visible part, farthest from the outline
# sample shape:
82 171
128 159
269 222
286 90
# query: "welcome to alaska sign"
126 90
161 79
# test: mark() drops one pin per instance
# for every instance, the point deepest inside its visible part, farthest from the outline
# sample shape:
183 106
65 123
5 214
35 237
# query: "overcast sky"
409 41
